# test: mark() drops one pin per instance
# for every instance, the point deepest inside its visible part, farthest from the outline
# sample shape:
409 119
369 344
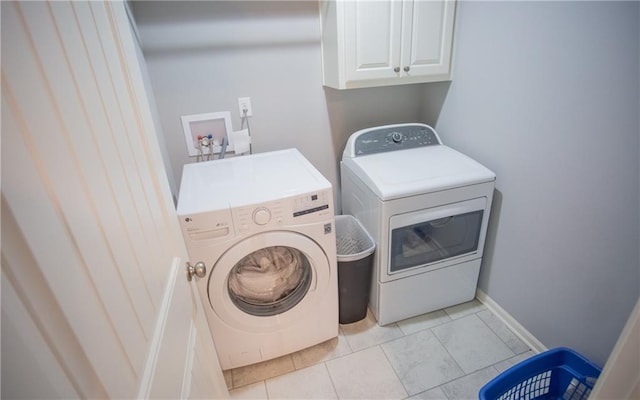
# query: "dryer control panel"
390 138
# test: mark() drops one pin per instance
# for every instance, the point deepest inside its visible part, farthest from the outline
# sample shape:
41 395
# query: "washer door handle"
199 270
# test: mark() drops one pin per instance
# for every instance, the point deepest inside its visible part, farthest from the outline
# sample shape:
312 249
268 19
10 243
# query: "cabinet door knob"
406 69
396 69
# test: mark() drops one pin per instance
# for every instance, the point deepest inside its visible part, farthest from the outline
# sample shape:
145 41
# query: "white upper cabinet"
386 42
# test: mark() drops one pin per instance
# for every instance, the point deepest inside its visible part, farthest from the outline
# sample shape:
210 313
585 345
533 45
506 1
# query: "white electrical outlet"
244 103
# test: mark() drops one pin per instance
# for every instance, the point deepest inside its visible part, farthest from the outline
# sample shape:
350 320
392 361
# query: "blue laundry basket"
559 373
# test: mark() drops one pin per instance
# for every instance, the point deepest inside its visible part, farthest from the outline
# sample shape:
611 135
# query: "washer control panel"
392 138
202 229
255 218
306 208
310 203
261 216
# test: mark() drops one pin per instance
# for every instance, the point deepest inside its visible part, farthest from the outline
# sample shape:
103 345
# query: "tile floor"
446 354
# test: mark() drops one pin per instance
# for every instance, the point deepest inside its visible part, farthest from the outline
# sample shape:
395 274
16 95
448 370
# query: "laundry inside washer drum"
270 281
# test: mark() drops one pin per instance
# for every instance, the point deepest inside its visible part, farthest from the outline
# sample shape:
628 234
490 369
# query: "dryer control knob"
397 137
261 216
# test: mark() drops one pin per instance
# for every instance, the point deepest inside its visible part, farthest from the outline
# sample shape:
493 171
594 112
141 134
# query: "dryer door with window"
434 238
268 280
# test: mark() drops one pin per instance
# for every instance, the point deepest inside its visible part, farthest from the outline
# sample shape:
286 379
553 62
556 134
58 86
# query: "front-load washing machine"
427 207
263 225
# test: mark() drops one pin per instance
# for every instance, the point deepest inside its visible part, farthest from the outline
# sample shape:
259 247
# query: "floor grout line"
403 335
326 367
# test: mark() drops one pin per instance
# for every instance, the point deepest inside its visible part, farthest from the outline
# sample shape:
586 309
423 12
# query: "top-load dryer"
427 207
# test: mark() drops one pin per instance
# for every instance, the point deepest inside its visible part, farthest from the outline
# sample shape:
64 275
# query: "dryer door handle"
199 270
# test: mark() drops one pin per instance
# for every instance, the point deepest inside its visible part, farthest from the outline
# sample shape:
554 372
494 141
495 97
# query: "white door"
620 377
95 303
372 39
427 36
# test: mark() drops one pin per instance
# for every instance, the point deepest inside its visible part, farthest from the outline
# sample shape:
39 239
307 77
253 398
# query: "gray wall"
546 95
162 141
202 56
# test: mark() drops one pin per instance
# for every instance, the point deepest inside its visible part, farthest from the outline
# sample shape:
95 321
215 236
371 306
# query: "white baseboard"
520 331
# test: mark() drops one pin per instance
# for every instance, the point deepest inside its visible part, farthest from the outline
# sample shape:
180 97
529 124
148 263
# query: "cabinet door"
427 36
372 39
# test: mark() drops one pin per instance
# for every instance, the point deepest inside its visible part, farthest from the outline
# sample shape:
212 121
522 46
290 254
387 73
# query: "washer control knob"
262 216
396 137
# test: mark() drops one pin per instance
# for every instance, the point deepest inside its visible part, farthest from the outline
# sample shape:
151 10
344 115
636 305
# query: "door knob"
406 69
396 69
199 270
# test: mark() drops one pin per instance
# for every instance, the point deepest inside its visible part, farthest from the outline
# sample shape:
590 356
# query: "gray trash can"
355 249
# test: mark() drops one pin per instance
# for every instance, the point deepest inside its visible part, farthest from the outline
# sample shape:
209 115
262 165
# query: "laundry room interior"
208 173
544 94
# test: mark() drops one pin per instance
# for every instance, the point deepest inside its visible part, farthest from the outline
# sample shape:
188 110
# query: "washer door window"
434 235
252 303
270 281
